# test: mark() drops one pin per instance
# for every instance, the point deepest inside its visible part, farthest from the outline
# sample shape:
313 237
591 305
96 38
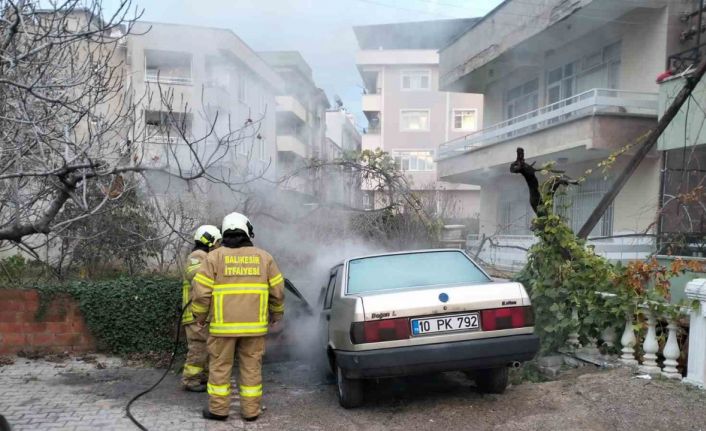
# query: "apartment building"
344 139
570 82
301 121
409 116
220 91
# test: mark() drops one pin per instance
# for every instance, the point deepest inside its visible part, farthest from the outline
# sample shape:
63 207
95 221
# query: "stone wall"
61 328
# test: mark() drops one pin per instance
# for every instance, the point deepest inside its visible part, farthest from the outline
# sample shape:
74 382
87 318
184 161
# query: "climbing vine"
574 290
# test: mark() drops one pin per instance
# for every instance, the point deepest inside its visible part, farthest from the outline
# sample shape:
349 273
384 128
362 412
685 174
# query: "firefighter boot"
208 415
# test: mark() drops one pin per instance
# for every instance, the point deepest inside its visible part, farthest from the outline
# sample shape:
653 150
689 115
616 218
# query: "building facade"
301 122
569 82
221 92
344 140
408 115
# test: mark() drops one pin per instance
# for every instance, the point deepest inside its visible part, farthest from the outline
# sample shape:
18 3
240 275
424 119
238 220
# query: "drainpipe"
660 203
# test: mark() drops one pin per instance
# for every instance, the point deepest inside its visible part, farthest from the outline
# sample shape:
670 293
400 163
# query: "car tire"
492 381
350 391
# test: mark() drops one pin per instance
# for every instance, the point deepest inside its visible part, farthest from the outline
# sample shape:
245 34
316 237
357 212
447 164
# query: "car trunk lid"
439 300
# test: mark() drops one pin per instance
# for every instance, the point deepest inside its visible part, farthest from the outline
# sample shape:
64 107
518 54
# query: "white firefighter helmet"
235 221
207 235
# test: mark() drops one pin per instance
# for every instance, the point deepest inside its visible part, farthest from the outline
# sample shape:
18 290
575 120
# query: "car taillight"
506 318
376 331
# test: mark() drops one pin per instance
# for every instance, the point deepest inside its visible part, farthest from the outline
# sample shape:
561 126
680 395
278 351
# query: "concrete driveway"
76 395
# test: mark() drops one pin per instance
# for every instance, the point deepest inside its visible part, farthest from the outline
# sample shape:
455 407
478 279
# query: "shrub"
126 314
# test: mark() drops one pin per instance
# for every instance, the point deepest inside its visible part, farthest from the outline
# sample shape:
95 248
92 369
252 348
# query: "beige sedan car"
420 312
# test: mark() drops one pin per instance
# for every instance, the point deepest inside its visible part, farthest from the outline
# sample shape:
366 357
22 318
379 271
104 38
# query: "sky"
320 29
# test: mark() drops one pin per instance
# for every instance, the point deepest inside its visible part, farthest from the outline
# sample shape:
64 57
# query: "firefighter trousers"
196 365
221 351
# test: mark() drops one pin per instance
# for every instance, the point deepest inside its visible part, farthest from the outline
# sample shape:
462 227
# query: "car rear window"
400 271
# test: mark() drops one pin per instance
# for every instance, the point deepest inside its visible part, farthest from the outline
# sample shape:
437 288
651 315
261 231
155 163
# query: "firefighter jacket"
193 264
239 288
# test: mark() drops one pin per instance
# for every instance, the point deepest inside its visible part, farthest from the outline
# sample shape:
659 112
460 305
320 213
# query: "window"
600 69
414 120
333 281
263 101
412 270
416 80
243 148
217 74
261 148
577 204
522 99
242 88
165 127
168 67
561 83
465 119
414 161
514 212
367 201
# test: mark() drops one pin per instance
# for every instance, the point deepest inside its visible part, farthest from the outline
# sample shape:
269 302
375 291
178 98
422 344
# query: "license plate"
456 322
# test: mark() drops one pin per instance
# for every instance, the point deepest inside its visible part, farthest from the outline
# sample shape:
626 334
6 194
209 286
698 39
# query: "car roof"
427 250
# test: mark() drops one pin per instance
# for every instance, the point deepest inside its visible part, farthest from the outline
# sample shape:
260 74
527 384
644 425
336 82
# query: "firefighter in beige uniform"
242 291
194 377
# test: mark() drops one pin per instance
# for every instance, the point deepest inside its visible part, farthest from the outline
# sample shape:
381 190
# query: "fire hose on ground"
287 284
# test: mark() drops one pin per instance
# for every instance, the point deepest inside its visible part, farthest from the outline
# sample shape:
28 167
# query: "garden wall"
60 329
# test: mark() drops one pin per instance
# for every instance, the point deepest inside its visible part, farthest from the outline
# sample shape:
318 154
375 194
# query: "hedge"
127 314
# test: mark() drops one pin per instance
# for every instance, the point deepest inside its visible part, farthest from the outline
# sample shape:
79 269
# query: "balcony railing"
585 104
165 79
509 252
691 57
162 139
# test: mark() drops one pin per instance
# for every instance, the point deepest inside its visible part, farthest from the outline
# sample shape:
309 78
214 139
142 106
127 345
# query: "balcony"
291 108
372 102
292 144
376 57
518 33
587 104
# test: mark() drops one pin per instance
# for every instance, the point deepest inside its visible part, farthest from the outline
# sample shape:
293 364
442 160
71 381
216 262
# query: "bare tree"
71 124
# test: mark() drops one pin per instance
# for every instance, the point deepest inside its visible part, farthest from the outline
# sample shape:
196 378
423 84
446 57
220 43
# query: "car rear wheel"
350 391
492 381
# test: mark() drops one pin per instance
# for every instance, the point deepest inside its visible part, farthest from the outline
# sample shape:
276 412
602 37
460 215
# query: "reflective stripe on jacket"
193 263
240 288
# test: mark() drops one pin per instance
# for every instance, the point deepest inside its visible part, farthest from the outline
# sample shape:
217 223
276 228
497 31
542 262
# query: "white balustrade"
650 346
696 375
671 353
628 341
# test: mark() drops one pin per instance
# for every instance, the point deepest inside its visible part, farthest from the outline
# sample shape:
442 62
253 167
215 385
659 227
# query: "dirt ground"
74 395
